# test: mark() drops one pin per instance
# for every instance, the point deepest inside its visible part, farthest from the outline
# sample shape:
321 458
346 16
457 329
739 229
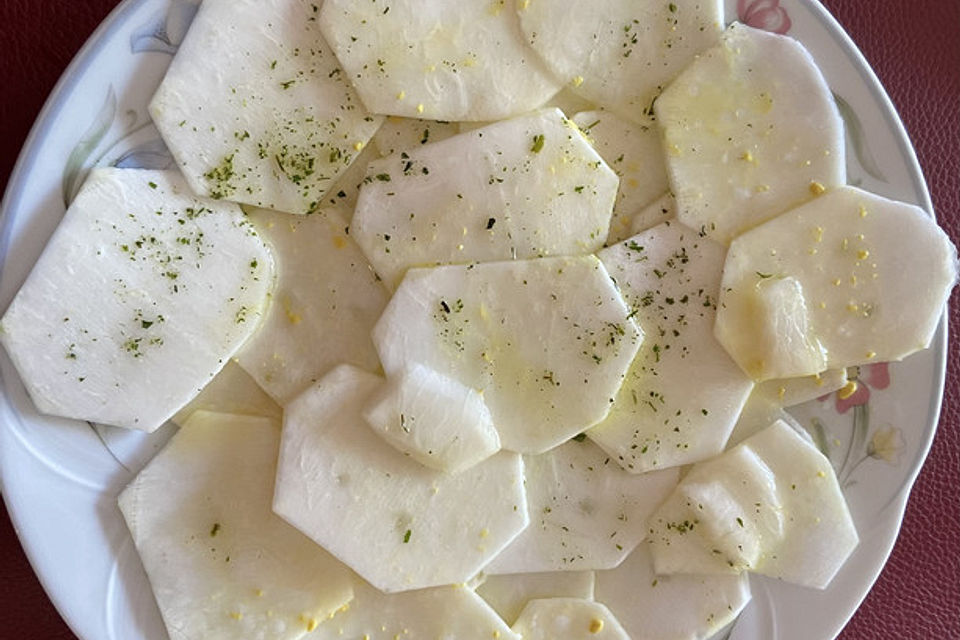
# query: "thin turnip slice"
620 54
140 297
788 392
567 618
657 212
342 196
783 332
676 607
399 134
509 593
434 419
635 154
325 304
723 517
567 101
819 534
523 188
866 277
586 512
750 130
451 611
570 103
220 563
662 416
398 524
546 341
436 59
783 516
759 412
232 390
256 109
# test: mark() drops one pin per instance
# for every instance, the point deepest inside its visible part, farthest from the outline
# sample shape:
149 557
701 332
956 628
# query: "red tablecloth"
914 46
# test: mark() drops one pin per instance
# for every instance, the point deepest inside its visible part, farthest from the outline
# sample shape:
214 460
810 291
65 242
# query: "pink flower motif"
857 391
764 14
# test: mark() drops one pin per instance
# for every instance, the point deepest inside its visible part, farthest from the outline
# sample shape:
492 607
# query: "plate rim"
940 343
15 186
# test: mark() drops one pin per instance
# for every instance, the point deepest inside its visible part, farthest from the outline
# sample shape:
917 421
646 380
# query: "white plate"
60 478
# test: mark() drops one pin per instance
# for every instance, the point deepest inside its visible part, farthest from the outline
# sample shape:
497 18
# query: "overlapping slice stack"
663 416
256 108
221 563
635 153
620 54
495 450
325 287
744 139
436 420
586 512
139 299
397 523
438 60
771 505
527 187
862 280
546 341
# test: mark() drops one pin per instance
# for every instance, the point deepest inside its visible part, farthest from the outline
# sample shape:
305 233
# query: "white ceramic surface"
60 478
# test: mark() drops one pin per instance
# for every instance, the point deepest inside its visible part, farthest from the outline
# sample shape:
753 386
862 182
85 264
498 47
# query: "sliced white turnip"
864 279
620 54
547 341
256 109
466 127
723 517
400 134
523 188
570 103
569 619
788 392
436 59
433 419
657 212
677 543
398 524
140 297
585 511
567 101
634 152
447 612
342 196
232 391
781 325
772 505
325 304
819 534
750 130
662 415
220 563
677 607
759 412
509 593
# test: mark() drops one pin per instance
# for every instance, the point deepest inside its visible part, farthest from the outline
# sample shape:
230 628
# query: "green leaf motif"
861 426
164 32
152 154
75 169
819 435
861 149
858 444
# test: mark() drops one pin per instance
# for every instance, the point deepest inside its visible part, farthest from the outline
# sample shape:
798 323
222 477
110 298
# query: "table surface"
914 49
